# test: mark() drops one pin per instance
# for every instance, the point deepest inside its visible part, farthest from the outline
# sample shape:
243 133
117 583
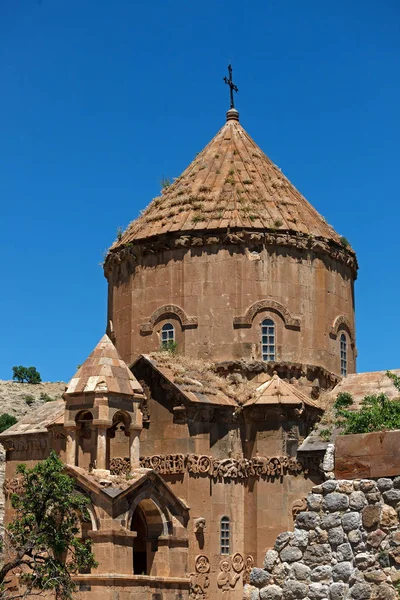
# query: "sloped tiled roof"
360 385
230 184
38 420
105 371
277 391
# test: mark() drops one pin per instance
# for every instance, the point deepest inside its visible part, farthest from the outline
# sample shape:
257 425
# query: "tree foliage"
6 421
26 374
43 537
377 412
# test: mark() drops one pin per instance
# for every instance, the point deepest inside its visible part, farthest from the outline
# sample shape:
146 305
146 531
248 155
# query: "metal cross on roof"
232 86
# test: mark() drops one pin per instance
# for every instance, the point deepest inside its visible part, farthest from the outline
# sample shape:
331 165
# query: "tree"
6 421
27 374
42 539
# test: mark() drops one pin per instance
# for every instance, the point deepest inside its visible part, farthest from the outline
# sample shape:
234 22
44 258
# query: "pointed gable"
104 371
278 391
230 184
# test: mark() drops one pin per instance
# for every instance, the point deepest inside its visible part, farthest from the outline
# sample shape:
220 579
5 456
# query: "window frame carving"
164 311
342 322
246 320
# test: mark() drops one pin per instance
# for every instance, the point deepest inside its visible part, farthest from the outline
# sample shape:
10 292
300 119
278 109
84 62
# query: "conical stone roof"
104 371
231 184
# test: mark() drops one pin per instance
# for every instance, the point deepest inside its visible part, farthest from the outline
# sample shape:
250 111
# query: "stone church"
230 315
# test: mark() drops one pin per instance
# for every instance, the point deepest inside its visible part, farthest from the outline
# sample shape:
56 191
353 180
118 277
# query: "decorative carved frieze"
200 581
120 466
13 485
29 444
247 319
168 309
130 254
230 468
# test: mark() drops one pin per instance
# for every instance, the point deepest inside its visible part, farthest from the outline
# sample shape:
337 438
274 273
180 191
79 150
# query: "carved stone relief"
13 485
120 466
200 581
231 569
298 506
229 468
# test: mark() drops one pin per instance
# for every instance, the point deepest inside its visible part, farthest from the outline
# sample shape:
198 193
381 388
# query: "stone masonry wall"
345 545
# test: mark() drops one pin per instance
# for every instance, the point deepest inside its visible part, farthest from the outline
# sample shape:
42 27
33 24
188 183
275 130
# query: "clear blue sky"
102 98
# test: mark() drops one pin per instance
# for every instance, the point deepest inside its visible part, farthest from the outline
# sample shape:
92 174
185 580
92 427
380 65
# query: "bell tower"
101 398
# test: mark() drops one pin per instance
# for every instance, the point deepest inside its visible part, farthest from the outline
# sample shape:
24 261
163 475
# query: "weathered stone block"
314 502
318 591
388 517
338 591
392 496
344 552
271 592
290 554
307 520
329 486
282 540
315 555
332 520
357 500
321 573
384 484
336 536
371 515
270 559
342 571
351 521
361 591
364 561
259 577
335 501
300 538
300 571
293 590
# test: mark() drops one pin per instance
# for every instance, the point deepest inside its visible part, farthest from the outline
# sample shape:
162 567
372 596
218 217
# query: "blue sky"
102 99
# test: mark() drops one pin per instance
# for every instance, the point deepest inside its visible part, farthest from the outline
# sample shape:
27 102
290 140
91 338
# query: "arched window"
343 355
225 535
167 335
268 340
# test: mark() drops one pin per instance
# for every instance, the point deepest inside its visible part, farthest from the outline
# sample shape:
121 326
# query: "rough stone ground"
13 401
345 546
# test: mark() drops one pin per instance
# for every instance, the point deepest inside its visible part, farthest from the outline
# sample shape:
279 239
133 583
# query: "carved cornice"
230 468
131 254
342 321
267 304
168 309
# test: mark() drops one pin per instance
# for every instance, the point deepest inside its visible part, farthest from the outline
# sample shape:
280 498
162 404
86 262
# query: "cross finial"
232 86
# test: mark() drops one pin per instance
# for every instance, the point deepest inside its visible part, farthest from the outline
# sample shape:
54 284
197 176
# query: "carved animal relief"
229 468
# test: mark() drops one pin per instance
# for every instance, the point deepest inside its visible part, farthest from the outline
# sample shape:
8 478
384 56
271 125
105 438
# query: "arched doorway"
86 440
147 522
139 525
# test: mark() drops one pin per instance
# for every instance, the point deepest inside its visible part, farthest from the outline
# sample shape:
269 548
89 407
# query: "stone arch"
342 322
148 521
163 311
268 304
117 442
85 438
159 521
